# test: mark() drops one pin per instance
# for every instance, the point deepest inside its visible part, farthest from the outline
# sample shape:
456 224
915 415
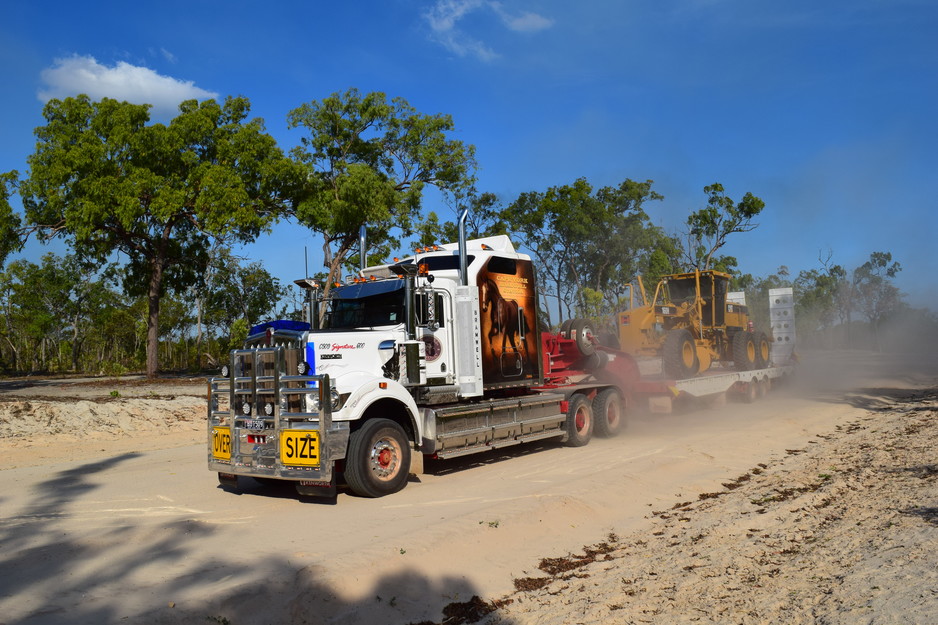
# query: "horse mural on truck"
508 306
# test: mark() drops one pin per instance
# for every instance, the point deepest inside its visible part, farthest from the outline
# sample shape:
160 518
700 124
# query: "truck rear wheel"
679 354
378 458
744 351
579 423
608 411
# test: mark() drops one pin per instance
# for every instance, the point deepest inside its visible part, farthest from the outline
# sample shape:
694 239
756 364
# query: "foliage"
876 296
158 193
237 291
710 226
10 222
368 161
582 239
484 219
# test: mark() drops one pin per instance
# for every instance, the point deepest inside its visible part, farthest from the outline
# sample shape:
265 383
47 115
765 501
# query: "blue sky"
825 110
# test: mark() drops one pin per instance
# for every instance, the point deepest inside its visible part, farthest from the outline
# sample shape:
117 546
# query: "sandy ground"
841 529
43 421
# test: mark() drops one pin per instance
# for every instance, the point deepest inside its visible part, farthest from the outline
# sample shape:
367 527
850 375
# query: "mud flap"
308 488
228 481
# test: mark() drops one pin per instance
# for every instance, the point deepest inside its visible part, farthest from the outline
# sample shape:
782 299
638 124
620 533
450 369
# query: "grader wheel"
763 351
744 351
679 354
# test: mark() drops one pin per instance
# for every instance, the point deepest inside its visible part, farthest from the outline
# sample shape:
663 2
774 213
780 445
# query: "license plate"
221 443
300 447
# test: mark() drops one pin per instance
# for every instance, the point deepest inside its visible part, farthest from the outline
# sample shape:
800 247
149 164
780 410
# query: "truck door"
435 321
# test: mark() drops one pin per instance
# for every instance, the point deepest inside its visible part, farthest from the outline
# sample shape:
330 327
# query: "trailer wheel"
751 393
744 351
565 328
378 459
608 411
765 384
582 333
679 354
579 423
763 350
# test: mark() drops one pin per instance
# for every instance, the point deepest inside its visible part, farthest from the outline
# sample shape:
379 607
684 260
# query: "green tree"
484 219
876 296
108 181
9 221
587 244
816 294
368 161
246 292
710 226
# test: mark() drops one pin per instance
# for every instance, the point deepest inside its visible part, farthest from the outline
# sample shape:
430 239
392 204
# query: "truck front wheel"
378 459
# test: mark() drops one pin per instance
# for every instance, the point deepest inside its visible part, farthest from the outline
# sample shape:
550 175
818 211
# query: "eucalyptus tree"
485 218
368 161
109 181
587 242
710 226
877 297
10 222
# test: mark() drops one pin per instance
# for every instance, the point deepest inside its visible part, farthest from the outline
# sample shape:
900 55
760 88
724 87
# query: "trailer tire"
679 354
765 384
744 351
751 392
609 413
763 351
579 423
378 458
565 328
582 333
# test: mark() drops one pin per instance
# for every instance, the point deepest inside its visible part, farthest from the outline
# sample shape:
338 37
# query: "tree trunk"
153 317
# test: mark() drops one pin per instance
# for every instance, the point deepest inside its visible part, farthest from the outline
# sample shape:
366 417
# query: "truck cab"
362 393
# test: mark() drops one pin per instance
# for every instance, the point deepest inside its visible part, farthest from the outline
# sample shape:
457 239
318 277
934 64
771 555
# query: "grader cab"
689 323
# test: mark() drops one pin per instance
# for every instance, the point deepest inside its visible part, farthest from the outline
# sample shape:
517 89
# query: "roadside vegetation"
150 214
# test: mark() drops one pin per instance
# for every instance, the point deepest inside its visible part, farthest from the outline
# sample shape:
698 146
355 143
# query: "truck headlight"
335 401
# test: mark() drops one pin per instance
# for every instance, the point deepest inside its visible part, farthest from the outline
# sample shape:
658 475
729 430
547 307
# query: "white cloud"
445 15
141 85
525 22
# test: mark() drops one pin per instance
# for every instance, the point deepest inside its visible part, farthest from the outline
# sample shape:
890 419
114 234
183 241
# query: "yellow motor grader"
689 323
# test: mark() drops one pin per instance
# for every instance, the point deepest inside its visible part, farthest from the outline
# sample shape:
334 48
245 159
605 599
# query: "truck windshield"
366 305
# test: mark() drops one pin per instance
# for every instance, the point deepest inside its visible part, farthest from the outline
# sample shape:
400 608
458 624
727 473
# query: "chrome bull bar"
266 421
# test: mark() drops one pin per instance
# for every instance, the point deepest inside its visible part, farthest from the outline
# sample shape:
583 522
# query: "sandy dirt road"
129 526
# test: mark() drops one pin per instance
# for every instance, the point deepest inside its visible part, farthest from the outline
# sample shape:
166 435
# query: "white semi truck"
439 355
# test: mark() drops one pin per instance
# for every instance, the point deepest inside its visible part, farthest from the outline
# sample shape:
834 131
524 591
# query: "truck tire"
744 351
582 333
679 354
378 459
763 351
579 423
608 413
